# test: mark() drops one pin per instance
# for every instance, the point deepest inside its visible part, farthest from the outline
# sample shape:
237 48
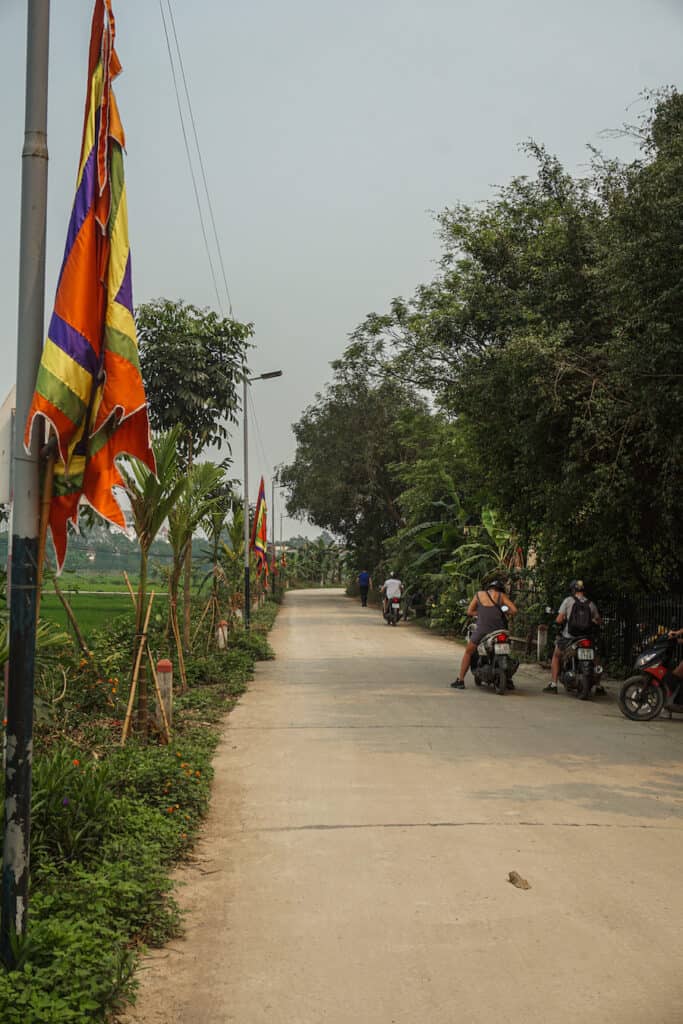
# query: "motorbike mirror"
548 610
504 608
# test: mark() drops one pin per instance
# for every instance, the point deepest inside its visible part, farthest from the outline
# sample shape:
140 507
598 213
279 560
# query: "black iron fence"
630 623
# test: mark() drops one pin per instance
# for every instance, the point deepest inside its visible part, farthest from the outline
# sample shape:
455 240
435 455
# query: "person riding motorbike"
487 605
392 587
564 619
676 673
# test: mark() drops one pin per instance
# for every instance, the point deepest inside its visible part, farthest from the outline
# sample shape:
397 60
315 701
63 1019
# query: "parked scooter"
653 688
578 670
492 663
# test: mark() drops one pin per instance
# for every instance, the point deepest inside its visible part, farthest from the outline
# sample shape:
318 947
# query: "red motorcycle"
654 688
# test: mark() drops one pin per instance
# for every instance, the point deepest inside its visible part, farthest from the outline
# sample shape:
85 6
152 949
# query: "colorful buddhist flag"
89 387
259 531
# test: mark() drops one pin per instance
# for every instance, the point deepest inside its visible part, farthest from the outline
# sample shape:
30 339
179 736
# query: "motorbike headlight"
647 659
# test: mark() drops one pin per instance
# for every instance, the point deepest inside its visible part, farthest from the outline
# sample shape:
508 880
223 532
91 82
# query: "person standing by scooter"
364 584
576 615
487 605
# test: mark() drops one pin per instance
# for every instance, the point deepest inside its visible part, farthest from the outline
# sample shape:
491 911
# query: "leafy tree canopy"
192 363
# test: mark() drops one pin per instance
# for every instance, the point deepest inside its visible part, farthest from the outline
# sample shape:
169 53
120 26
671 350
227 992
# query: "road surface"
354 866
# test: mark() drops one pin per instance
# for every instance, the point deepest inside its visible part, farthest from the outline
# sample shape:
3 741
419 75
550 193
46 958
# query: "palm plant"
197 501
151 498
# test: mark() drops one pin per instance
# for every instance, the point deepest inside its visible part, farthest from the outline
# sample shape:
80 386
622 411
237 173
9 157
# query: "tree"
192 362
198 499
343 477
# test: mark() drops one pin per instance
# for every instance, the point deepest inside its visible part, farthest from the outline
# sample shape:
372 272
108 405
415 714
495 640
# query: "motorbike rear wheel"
501 681
639 700
585 686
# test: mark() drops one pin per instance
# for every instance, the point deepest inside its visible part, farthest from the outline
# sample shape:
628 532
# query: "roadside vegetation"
109 822
118 796
520 414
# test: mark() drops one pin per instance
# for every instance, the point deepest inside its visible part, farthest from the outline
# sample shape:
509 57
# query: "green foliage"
342 476
192 361
73 808
108 823
549 342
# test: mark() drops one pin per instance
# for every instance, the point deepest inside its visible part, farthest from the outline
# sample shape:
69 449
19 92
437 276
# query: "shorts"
563 642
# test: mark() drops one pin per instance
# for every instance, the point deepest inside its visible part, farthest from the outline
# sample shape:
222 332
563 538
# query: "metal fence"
630 623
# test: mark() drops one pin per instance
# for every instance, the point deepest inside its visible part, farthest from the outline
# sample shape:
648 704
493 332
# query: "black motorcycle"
653 688
578 670
492 663
392 612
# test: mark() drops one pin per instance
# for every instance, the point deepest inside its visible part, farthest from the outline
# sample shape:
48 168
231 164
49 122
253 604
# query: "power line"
189 157
199 154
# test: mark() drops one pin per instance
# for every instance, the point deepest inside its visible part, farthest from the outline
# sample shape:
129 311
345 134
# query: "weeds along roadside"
110 822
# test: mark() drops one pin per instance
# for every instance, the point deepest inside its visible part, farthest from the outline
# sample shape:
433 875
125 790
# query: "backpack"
580 619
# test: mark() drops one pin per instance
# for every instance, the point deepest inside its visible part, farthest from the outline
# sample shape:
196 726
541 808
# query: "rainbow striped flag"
89 387
259 531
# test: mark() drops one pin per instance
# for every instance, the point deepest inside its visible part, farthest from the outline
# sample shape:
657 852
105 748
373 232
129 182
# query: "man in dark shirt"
364 584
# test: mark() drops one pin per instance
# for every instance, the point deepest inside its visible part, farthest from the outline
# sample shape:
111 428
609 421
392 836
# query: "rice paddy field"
95 600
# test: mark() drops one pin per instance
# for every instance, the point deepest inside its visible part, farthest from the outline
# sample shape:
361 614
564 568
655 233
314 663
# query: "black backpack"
580 619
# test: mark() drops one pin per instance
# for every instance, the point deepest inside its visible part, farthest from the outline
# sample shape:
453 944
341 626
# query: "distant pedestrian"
364 584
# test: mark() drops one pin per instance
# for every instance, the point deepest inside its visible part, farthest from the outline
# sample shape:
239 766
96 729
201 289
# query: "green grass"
92 611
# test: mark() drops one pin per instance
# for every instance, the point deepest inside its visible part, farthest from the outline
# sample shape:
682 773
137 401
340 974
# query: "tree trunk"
187 582
187 597
139 621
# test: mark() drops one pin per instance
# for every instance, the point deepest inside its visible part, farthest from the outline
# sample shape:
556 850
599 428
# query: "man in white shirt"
391 587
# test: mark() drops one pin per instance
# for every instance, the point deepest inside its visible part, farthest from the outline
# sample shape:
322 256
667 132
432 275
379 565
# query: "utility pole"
272 529
26 483
246 607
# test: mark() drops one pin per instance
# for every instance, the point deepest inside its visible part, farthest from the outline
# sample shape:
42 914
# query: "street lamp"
246 613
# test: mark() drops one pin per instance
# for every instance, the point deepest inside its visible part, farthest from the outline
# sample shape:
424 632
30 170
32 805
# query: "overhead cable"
199 154
189 158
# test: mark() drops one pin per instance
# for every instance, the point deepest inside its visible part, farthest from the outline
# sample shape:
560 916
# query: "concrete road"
354 868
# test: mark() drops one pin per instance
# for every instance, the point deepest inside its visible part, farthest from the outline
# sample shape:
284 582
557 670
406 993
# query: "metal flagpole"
26 483
272 529
246 609
246 615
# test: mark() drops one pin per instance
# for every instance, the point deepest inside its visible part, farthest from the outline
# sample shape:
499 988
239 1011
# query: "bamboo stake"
160 701
201 620
179 647
150 658
136 671
72 619
130 588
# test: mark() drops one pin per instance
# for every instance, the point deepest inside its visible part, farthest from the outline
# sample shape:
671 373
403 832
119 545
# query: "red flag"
259 531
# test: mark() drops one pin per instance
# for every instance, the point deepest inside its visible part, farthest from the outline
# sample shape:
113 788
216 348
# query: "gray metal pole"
246 610
26 481
272 529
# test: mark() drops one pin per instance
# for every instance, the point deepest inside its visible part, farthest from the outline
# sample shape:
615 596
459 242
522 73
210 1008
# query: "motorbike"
653 689
492 663
392 614
578 670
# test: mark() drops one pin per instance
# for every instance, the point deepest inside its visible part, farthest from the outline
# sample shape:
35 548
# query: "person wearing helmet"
392 587
487 605
565 613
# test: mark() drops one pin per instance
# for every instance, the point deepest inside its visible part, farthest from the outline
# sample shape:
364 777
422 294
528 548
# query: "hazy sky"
330 131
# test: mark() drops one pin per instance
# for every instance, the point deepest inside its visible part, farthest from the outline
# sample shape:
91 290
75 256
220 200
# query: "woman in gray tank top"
487 606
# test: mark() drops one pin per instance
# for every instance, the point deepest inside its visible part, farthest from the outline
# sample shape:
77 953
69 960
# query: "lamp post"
246 612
